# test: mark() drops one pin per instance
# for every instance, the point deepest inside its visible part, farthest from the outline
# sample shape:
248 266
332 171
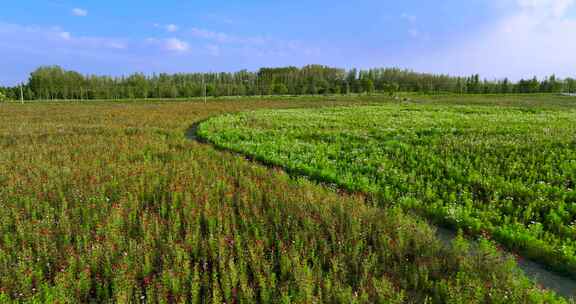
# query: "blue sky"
497 38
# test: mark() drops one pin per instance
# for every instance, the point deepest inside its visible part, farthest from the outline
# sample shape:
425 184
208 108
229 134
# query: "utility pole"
21 94
204 88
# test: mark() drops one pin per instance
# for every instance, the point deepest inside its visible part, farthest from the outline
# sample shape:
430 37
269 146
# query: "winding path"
562 285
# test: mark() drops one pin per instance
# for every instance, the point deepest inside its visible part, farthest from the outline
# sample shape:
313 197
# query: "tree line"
54 82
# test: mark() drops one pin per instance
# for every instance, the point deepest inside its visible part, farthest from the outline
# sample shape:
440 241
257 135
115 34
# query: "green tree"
53 82
280 89
555 85
323 87
570 85
2 96
367 85
505 86
210 90
391 88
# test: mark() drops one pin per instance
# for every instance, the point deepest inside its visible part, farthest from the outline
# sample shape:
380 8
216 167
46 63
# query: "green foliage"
368 85
110 203
55 83
507 172
2 96
280 89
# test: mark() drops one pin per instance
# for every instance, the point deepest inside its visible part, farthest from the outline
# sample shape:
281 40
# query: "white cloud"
177 45
555 8
535 40
413 28
79 12
253 45
32 46
170 44
206 34
81 42
226 38
65 35
170 28
50 37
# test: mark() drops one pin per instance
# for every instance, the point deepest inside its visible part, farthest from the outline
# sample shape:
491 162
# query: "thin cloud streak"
79 12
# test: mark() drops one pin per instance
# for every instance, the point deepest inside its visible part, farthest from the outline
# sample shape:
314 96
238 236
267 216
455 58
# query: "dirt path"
562 285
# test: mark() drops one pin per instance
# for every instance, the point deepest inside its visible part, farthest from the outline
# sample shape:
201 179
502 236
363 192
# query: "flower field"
107 202
506 172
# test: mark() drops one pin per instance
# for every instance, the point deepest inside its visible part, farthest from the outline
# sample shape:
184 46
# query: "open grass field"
111 203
